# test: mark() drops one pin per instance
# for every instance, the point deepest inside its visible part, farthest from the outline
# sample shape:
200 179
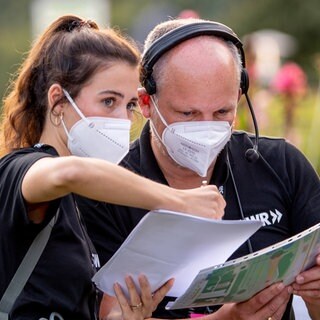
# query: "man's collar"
148 161
220 171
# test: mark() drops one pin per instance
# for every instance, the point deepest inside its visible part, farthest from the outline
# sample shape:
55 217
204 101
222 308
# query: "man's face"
196 94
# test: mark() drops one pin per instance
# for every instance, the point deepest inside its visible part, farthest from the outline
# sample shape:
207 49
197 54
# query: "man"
190 96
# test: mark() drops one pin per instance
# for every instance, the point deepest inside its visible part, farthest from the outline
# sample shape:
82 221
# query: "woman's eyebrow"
116 93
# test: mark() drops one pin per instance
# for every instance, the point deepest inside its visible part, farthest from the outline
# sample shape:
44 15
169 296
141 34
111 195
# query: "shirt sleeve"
12 171
304 188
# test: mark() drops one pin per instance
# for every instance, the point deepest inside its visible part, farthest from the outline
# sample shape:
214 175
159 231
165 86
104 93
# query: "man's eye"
131 106
108 102
187 113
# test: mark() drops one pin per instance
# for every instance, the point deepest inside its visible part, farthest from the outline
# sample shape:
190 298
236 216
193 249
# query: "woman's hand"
138 307
205 201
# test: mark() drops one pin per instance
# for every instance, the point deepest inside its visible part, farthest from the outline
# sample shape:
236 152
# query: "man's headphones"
191 30
181 34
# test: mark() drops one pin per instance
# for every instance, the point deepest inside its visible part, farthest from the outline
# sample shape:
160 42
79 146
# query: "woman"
70 91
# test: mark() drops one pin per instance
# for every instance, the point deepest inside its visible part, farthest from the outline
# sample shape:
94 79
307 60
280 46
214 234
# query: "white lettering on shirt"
267 218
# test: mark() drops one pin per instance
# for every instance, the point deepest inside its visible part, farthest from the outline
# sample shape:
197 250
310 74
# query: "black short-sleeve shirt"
61 280
281 189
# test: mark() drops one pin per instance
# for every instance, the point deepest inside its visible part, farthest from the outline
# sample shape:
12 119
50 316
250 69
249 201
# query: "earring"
55 118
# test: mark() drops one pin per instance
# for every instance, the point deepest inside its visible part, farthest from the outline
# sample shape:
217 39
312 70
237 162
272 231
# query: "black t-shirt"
281 188
61 281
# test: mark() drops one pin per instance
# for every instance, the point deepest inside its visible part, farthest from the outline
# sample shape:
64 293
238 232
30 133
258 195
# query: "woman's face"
111 92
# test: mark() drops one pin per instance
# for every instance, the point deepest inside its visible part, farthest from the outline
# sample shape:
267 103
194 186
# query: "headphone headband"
185 32
180 34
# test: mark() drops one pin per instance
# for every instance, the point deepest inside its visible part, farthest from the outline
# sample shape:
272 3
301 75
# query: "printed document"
240 279
168 244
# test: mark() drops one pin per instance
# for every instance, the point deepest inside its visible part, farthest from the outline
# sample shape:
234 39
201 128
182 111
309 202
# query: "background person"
70 91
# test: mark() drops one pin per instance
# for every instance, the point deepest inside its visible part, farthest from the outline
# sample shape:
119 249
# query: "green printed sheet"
240 279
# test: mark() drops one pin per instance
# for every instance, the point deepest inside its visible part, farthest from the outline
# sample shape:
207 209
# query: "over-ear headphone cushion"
150 85
244 83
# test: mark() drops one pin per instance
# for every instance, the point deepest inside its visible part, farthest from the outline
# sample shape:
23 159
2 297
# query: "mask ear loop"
66 93
158 112
161 118
155 131
65 128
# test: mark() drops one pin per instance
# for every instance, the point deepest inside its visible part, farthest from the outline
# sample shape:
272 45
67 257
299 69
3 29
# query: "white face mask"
98 137
194 144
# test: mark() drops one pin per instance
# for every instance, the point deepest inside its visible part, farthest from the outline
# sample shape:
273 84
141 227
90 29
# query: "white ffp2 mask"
194 144
98 137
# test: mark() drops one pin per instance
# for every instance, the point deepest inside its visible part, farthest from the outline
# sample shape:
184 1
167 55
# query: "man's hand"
269 303
307 286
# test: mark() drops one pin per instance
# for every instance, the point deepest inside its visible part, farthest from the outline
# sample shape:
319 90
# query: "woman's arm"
52 178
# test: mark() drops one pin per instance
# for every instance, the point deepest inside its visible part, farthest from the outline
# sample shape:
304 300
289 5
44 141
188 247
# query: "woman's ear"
54 94
144 102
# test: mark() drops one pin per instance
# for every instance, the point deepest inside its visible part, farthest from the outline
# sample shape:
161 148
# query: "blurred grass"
306 124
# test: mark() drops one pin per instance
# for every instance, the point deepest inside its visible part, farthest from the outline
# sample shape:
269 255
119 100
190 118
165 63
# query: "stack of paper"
168 244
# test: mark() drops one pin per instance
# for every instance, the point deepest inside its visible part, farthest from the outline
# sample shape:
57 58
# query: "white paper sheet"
168 244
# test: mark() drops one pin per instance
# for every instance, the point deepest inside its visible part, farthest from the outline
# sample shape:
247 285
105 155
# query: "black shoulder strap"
25 269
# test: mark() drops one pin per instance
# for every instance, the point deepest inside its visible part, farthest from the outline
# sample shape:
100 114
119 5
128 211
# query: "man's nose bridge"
207 116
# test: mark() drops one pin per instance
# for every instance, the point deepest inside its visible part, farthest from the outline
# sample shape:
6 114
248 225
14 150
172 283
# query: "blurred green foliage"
14 37
296 17
306 124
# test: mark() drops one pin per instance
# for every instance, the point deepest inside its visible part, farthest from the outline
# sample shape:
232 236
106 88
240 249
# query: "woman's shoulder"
24 157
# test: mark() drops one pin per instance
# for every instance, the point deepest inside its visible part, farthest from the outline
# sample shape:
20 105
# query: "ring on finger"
137 306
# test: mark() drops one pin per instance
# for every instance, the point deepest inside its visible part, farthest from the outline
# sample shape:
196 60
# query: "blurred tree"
14 36
297 18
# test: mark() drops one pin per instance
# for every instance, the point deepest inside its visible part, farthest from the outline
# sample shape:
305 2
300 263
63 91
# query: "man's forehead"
200 106
198 47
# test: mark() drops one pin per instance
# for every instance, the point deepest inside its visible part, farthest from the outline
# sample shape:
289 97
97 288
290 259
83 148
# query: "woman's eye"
109 102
